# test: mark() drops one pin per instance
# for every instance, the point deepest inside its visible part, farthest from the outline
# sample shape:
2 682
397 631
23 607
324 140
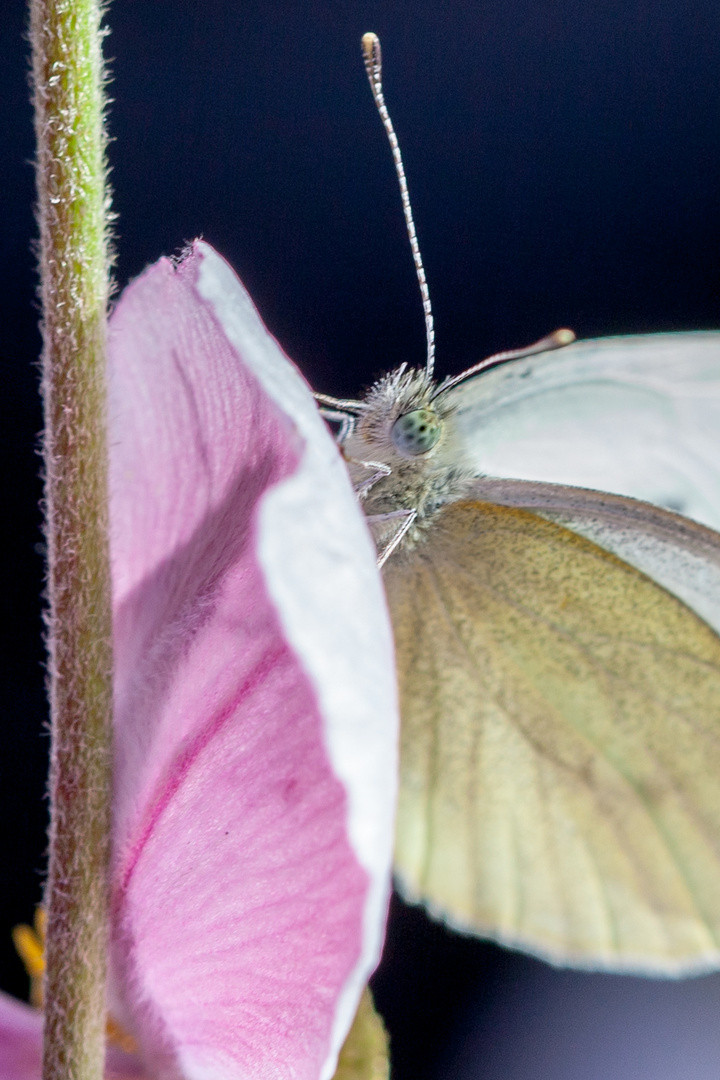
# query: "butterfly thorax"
400 417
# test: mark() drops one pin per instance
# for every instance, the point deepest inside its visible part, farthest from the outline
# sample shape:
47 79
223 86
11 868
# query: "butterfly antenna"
341 404
557 340
372 56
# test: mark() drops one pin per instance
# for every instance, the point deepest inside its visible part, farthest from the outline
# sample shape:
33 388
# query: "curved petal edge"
256 714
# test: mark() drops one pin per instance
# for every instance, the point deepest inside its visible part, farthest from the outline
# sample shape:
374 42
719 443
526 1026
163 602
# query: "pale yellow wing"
365 1053
677 553
560 756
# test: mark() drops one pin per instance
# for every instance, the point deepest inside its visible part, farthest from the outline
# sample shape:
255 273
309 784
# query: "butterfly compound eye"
416 432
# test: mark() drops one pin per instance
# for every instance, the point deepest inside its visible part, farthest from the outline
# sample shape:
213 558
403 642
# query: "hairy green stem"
72 189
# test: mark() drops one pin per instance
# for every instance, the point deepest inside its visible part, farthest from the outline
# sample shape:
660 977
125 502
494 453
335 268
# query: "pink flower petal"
20 1040
21 1046
255 707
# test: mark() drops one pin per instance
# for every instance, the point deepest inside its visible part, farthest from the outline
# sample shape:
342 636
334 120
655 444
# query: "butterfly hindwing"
560 745
679 554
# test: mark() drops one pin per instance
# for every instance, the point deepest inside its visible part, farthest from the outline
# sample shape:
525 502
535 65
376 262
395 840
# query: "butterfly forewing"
637 415
560 745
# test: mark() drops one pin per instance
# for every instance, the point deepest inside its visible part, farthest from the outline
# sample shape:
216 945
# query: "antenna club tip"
370 43
564 336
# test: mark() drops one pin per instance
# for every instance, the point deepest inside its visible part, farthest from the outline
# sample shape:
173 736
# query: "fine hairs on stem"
72 208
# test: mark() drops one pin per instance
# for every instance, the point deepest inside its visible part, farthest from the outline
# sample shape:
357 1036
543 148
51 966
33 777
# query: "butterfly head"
394 450
400 422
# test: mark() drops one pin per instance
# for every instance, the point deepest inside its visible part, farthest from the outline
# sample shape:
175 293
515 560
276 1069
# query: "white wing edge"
641 966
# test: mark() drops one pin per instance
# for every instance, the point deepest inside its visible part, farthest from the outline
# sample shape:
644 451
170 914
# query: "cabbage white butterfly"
557 647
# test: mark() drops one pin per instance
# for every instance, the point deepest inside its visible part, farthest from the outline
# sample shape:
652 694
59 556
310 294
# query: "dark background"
564 164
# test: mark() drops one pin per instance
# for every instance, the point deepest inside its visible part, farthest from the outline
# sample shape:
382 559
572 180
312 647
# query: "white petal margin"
320 568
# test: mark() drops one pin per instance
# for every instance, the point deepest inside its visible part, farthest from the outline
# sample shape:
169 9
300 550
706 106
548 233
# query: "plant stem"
68 79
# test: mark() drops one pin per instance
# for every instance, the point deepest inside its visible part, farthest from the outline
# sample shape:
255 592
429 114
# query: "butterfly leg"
346 422
380 470
406 519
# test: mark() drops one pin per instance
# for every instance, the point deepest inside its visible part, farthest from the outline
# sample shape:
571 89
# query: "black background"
564 164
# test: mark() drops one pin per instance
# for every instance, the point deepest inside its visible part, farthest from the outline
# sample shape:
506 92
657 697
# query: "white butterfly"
558 650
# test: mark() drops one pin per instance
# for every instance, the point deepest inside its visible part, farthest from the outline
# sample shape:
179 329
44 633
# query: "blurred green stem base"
68 80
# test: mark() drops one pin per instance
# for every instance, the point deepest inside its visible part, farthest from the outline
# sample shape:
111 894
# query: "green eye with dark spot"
416 432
